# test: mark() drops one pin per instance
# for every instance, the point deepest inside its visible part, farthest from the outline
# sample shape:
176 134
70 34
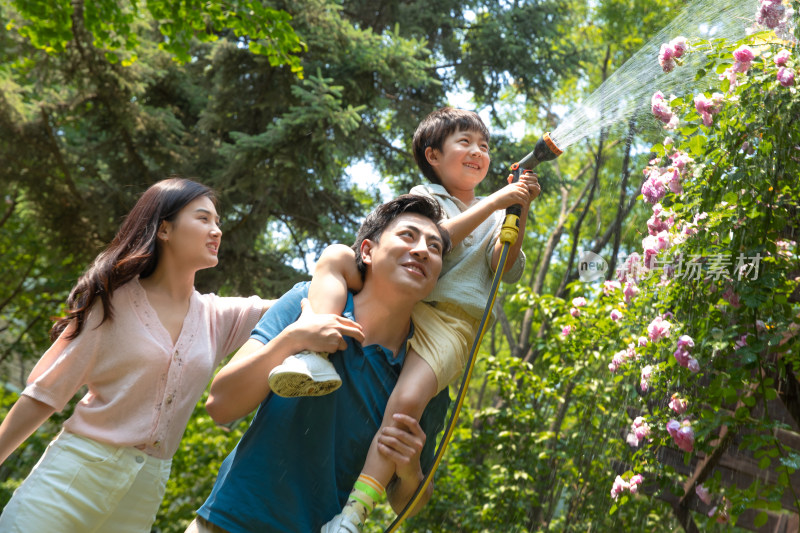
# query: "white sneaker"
304 374
340 524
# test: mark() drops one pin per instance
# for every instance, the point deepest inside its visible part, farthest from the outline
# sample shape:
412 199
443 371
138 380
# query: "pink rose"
654 188
658 329
701 103
685 341
632 269
565 331
672 427
665 57
615 315
679 46
680 160
782 57
618 487
636 480
693 366
574 312
660 107
771 13
630 291
673 178
650 248
743 54
672 125
684 437
580 301
617 361
642 341
730 74
785 76
682 434
703 494
644 381
742 67
678 404
610 286
682 356
741 342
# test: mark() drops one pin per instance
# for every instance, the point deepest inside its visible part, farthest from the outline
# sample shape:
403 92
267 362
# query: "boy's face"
462 163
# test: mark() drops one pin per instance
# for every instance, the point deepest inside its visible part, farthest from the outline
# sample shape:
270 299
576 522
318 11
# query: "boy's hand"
511 194
531 180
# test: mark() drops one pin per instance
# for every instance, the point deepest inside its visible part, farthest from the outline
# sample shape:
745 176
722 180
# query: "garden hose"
545 150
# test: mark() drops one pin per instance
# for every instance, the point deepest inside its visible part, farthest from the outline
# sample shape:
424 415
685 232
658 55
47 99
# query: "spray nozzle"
545 150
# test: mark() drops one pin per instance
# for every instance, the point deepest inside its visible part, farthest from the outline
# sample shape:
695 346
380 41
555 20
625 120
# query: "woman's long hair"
132 252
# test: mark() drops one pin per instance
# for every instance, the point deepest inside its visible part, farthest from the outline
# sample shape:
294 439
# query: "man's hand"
402 445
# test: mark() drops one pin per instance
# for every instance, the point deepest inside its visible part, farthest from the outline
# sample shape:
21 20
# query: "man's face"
407 257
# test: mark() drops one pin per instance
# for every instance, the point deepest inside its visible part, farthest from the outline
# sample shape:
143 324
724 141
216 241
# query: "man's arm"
243 383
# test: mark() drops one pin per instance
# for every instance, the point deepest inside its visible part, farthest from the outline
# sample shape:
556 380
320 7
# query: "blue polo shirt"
295 465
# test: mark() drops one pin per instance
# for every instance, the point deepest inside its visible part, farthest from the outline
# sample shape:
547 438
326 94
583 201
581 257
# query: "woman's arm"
265 305
25 417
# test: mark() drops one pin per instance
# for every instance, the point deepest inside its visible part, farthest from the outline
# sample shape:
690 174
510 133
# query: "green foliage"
730 282
49 25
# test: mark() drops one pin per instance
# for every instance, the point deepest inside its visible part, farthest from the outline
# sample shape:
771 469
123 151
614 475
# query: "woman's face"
192 239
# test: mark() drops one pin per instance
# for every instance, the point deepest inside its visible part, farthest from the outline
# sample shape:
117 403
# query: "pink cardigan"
142 389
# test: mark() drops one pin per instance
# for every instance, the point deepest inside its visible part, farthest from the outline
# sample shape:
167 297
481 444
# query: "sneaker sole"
292 385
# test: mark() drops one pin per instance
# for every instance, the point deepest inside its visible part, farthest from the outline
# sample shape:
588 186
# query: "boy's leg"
415 387
310 373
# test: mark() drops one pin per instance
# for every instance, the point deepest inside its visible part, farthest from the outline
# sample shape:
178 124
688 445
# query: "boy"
451 147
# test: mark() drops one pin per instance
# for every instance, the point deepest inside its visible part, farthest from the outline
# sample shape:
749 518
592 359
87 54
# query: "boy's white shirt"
466 276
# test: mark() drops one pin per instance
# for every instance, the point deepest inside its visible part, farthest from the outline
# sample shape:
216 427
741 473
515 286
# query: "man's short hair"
435 128
380 218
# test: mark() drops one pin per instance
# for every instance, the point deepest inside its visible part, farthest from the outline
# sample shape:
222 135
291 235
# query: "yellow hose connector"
510 230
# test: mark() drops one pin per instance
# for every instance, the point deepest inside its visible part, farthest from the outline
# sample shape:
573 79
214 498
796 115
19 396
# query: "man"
294 467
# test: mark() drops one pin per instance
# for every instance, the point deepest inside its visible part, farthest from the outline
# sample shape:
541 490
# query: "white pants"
201 525
84 486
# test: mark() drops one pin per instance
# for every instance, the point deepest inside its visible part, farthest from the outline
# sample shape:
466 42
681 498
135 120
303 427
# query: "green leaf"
696 144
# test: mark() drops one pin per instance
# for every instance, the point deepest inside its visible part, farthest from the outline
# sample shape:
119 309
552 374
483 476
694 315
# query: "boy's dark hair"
435 128
378 220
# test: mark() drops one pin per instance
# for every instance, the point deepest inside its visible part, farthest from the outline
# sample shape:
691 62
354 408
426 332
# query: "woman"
145 344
